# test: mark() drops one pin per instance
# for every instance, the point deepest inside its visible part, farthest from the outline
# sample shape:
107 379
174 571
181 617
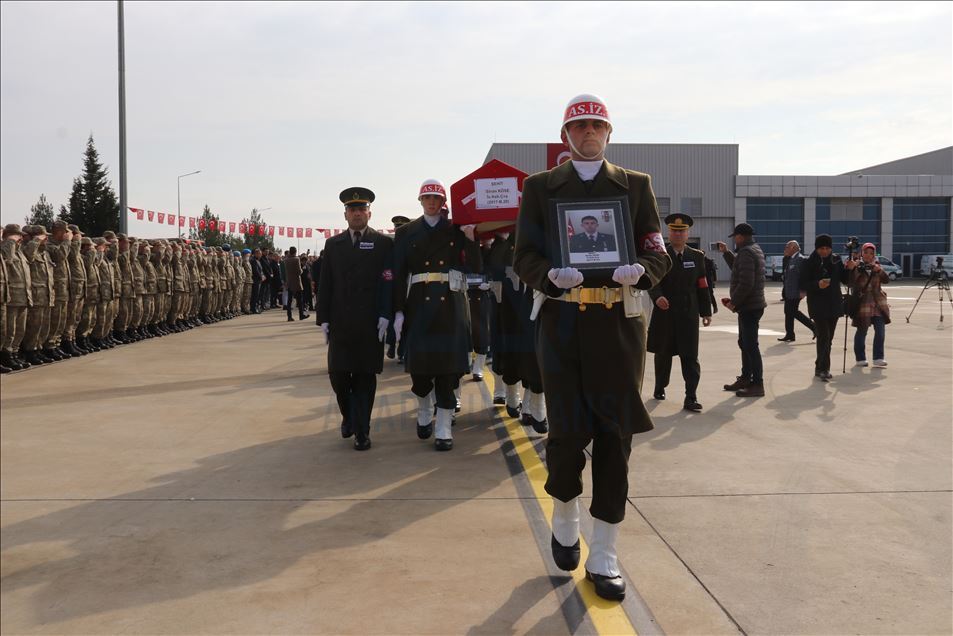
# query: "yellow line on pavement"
608 617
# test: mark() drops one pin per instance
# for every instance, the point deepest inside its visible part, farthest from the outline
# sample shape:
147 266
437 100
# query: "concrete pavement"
198 484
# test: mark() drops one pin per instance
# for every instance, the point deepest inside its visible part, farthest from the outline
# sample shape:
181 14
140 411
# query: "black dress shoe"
512 411
290 319
611 588
478 377
362 442
526 420
424 432
691 404
659 394
4 369
346 430
566 559
786 339
391 352
540 426
499 401
443 444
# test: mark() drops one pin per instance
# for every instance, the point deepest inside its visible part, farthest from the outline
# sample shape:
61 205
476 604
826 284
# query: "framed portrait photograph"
595 234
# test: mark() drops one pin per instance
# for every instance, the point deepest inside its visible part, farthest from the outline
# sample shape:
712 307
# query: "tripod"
941 280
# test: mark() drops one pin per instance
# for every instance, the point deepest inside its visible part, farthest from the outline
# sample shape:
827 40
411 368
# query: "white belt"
454 278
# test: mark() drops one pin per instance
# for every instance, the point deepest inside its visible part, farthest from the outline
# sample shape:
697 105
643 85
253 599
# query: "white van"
928 262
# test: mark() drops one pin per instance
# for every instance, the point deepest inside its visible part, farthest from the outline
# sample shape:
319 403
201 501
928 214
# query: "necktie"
357 238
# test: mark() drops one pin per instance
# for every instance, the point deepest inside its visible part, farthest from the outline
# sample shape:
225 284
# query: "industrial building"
903 206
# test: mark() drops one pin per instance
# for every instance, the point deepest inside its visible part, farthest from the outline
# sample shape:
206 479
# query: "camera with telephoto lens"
852 244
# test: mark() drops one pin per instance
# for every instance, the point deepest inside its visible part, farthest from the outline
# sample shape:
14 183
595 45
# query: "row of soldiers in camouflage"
65 295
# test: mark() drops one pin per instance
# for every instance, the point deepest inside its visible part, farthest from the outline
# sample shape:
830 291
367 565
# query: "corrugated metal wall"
705 171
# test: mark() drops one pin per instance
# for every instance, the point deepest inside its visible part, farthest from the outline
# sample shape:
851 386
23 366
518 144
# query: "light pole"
178 196
123 202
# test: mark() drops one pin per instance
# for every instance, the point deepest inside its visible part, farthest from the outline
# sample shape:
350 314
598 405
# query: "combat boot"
7 360
740 382
70 348
33 357
23 364
4 369
52 355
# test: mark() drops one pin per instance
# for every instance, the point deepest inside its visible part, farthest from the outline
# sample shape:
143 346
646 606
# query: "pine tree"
252 241
41 213
93 205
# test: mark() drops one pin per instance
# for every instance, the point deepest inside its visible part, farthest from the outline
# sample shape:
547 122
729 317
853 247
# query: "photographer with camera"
868 304
821 278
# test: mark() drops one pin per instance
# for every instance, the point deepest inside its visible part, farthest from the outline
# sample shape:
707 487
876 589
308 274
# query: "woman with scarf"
865 278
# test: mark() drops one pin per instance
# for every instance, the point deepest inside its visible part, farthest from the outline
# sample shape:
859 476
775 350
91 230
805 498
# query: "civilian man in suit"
293 283
791 292
257 278
680 299
591 239
354 310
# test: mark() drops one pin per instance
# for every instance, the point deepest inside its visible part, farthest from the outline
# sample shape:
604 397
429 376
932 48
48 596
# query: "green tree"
252 241
92 205
207 229
41 213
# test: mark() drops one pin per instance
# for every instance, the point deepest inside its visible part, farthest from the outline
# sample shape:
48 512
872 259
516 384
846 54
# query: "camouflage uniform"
138 282
77 282
41 277
247 283
89 259
58 251
127 291
18 299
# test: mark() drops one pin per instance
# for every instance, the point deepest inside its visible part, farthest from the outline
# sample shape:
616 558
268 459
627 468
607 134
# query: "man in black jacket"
821 278
354 309
680 299
747 300
256 280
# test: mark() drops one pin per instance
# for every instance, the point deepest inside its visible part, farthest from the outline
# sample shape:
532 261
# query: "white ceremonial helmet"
432 186
586 106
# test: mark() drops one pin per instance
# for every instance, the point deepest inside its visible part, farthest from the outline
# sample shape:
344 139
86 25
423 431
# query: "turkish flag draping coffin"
488 197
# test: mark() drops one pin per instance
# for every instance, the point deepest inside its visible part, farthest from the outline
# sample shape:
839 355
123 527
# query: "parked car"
774 267
893 270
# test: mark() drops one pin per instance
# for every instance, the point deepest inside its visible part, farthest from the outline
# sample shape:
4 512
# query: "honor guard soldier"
680 299
431 258
590 341
354 309
395 348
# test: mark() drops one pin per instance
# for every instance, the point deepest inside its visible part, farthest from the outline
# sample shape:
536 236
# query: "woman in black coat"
821 278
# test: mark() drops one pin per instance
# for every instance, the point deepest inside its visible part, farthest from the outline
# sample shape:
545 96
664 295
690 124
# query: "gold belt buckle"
575 295
608 296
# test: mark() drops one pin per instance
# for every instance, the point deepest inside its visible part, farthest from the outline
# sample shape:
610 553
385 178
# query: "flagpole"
123 200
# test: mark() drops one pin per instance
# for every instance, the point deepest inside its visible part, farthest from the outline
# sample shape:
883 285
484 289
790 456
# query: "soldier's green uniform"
41 277
247 282
150 288
127 291
58 251
91 298
139 285
19 289
77 292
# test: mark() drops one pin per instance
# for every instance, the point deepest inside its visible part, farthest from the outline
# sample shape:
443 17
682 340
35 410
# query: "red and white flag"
242 228
161 217
181 221
327 234
191 221
221 226
151 215
271 230
231 226
307 232
202 224
261 230
170 219
299 232
139 213
251 230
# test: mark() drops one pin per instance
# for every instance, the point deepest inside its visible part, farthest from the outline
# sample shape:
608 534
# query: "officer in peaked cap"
357 197
399 220
681 298
354 311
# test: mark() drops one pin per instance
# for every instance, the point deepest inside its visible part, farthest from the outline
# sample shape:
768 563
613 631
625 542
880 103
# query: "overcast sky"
285 105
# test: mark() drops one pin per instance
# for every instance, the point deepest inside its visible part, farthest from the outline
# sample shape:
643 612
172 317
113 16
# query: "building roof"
937 162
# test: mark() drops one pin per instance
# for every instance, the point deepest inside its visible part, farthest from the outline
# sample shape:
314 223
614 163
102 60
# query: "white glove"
565 278
326 328
398 324
382 328
484 286
628 274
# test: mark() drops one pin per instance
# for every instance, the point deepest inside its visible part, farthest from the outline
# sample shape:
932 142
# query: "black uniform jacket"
674 331
436 319
355 290
591 361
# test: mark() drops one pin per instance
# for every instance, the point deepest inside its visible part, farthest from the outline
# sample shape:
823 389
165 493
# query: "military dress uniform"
41 276
77 294
355 292
591 356
674 331
430 265
58 251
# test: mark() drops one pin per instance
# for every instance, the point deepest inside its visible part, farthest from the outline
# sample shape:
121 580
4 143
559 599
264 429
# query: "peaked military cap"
399 220
357 197
59 225
109 235
35 230
679 221
72 227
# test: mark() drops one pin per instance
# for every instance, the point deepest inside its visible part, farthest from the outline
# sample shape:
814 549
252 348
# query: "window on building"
664 206
921 225
843 218
691 206
776 221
